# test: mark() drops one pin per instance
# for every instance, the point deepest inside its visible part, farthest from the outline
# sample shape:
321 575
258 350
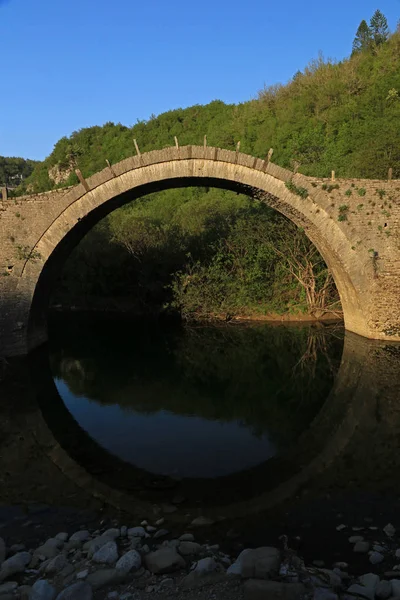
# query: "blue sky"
68 64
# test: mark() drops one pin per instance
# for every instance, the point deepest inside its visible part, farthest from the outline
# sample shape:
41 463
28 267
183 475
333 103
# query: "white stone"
131 561
42 590
80 536
107 554
136 532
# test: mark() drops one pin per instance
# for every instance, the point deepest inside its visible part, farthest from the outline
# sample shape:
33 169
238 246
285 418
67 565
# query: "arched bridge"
355 224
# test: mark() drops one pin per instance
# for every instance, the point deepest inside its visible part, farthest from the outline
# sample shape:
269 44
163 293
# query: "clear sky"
68 64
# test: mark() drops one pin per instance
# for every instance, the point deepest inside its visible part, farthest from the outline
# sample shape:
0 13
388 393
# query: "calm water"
202 402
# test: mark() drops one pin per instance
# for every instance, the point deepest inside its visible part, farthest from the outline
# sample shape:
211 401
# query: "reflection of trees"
246 374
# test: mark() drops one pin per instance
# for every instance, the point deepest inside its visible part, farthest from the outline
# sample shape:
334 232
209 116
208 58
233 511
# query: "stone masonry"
355 224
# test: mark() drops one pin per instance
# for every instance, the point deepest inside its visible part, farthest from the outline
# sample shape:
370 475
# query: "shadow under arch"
366 367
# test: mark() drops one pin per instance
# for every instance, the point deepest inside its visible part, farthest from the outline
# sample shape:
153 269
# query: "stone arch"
85 204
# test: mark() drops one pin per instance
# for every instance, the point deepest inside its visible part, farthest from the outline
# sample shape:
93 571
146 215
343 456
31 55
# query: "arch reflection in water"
199 403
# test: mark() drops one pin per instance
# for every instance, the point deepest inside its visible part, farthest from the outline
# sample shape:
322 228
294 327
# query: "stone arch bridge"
355 225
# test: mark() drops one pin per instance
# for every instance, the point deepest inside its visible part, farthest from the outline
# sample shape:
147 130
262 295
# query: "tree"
379 28
363 38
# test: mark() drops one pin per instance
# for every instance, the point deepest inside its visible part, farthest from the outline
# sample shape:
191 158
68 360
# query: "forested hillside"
207 252
13 171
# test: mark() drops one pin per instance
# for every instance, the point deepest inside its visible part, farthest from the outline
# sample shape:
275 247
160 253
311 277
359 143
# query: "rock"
187 537
131 561
107 554
50 548
105 577
362 590
318 563
171 543
395 587
335 580
369 580
383 590
124 531
361 547
164 560
256 589
92 546
2 550
150 529
8 588
80 536
112 533
160 521
77 591
160 533
188 548
353 539
17 548
63 537
397 553
375 558
341 527
14 564
113 596
389 530
82 574
42 590
260 563
56 565
202 522
24 592
137 532
205 565
324 594
236 568
378 548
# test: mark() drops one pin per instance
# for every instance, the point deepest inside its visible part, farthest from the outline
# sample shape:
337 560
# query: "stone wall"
355 224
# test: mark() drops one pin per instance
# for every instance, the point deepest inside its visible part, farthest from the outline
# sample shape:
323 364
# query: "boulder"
164 560
50 548
107 554
77 591
105 577
131 561
56 564
80 536
362 590
260 563
42 590
383 590
15 564
188 548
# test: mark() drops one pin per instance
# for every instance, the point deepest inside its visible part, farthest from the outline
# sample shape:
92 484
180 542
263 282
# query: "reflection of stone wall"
358 235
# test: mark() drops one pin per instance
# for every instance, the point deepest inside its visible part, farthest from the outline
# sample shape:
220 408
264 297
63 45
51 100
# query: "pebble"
113 596
164 560
395 587
15 564
77 591
107 554
160 533
42 590
369 580
131 561
160 521
82 574
341 527
389 530
375 558
363 591
137 532
188 548
6 588
356 538
202 522
112 533
361 547
80 536
63 536
383 590
187 537
124 531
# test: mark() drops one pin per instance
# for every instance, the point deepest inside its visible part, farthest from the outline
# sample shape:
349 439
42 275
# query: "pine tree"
363 38
379 28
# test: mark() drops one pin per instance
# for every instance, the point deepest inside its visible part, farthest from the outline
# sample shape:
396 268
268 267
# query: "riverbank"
124 310
148 561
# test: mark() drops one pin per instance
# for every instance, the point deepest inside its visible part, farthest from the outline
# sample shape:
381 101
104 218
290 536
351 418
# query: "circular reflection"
195 403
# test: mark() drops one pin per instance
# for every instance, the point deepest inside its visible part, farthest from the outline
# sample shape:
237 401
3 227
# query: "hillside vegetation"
212 253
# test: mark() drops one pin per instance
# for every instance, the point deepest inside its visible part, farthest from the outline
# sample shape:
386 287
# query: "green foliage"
379 28
299 191
14 170
348 193
343 212
363 38
361 192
